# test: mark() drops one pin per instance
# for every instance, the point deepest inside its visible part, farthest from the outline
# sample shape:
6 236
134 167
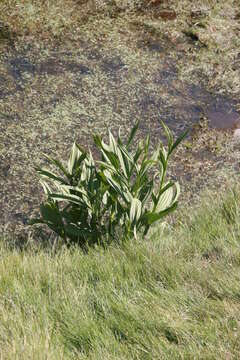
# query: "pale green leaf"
135 210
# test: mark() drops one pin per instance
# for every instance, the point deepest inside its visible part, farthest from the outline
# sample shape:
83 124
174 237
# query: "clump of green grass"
175 296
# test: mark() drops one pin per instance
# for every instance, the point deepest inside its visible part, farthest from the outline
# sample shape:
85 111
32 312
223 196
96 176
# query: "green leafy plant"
124 193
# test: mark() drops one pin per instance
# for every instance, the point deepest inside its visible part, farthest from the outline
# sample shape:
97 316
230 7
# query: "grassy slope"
176 296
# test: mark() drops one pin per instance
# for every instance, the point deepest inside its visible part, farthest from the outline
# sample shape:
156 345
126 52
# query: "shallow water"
221 118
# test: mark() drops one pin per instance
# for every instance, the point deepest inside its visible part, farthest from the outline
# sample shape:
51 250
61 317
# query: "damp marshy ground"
70 68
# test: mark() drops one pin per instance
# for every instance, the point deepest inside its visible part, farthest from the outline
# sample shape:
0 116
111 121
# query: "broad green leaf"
74 230
50 213
127 158
74 214
90 161
79 191
105 198
151 217
100 143
97 140
76 157
119 189
111 158
50 175
164 188
84 173
168 197
138 153
46 188
123 164
146 191
112 143
78 166
165 200
106 165
146 166
71 198
58 164
112 182
135 210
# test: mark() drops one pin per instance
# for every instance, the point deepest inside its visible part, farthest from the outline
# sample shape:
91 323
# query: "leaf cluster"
124 193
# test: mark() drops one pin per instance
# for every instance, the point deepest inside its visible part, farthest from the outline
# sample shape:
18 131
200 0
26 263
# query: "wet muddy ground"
51 95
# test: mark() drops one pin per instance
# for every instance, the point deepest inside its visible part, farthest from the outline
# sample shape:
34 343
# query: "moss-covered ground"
68 68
